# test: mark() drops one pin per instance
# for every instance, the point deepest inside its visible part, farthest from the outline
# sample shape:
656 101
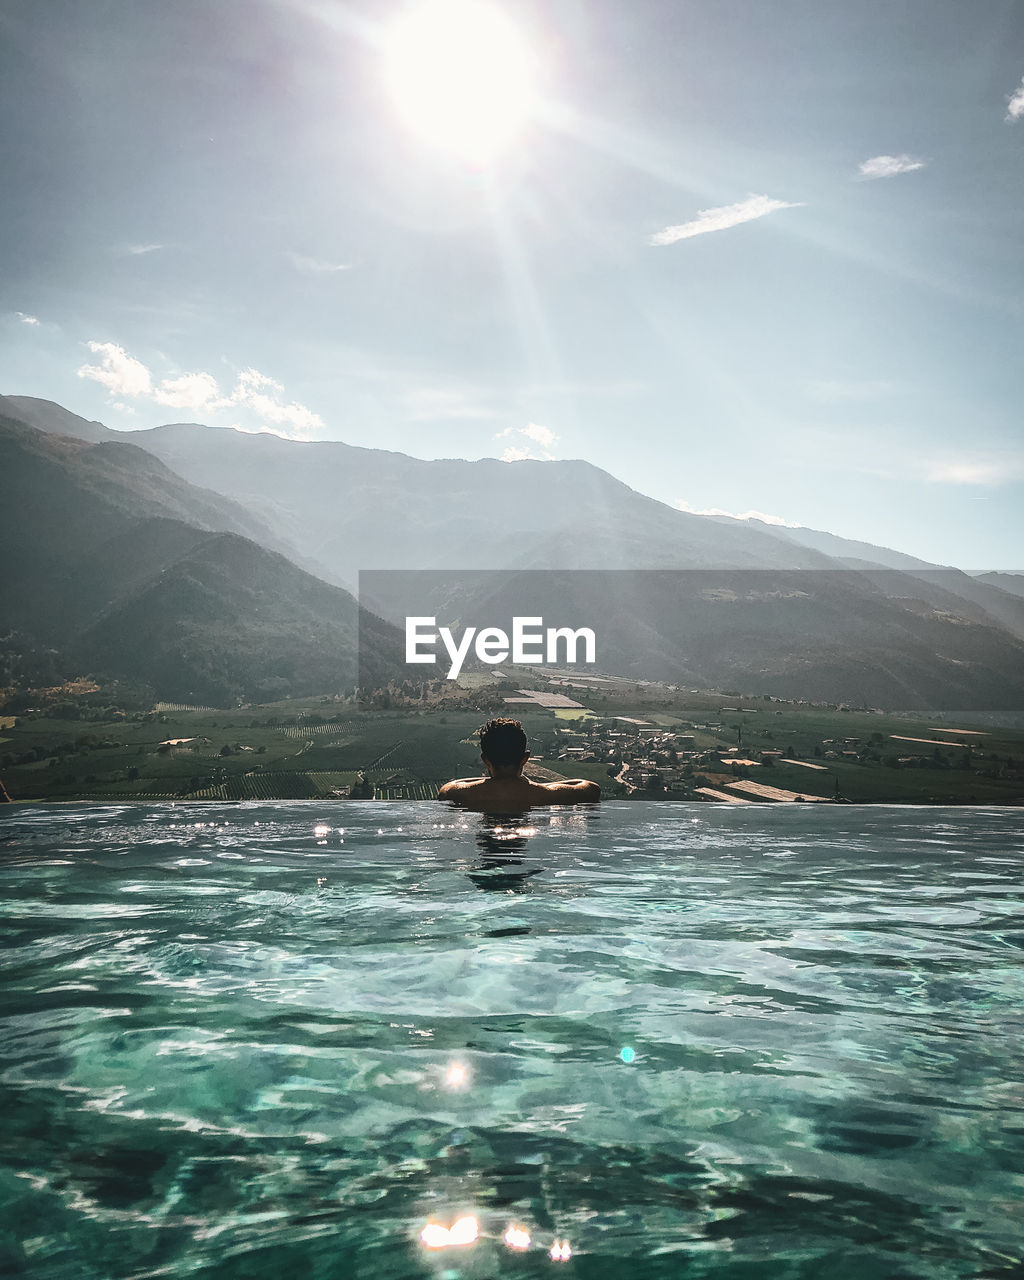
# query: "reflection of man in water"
505 790
501 837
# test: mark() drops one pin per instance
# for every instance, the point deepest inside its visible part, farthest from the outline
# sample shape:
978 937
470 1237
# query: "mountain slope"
127 569
229 620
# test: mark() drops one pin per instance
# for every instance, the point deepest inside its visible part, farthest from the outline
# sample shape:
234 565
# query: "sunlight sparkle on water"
456 1076
517 1237
462 1231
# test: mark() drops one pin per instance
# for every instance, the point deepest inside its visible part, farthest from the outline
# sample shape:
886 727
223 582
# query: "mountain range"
214 565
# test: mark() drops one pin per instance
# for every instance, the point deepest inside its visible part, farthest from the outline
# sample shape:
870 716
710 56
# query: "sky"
757 257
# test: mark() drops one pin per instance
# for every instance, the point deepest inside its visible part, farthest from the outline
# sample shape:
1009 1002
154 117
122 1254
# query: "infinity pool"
393 1040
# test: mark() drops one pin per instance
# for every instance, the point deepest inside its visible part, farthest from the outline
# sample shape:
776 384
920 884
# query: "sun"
461 76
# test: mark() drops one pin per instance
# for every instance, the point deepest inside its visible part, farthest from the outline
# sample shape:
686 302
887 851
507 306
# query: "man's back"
505 789
513 795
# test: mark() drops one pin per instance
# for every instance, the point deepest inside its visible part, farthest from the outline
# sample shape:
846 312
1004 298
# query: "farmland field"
316 748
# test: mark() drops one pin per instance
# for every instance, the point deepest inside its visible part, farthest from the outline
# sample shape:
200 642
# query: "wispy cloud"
889 166
138 250
533 431
315 266
128 378
1015 103
26 319
979 469
619 387
729 215
849 392
763 516
431 404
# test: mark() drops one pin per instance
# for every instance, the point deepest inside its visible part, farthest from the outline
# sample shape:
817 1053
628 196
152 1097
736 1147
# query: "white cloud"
889 166
303 423
190 391
253 380
139 250
316 266
25 319
542 436
1015 103
119 372
730 215
763 516
127 377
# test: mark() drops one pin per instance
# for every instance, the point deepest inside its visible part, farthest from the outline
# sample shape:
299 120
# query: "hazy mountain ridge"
47 415
182 604
339 508
349 508
1011 583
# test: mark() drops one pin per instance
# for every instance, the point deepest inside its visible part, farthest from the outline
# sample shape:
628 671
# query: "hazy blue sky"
747 255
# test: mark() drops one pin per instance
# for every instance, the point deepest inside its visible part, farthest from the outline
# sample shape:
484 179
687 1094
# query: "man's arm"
452 788
574 790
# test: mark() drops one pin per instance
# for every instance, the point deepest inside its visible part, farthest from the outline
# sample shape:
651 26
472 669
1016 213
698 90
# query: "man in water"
505 790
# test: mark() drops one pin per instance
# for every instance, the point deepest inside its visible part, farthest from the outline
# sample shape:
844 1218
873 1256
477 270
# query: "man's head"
503 746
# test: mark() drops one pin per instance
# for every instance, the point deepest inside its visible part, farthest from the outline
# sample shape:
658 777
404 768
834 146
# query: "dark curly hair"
503 742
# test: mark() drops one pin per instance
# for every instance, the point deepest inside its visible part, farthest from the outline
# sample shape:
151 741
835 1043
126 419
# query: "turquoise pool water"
393 1040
